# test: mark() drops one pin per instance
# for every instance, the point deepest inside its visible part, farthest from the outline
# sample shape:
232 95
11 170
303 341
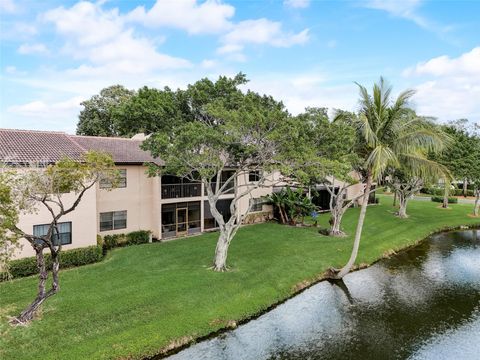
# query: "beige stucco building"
168 206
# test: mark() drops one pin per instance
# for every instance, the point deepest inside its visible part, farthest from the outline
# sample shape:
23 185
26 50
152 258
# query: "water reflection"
411 305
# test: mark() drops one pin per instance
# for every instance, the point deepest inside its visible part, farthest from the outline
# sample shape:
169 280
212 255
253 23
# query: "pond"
423 303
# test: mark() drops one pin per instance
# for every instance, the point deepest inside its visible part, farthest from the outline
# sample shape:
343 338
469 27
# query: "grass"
143 298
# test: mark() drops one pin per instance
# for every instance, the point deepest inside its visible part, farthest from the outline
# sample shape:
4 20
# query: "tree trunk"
29 313
403 202
221 252
358 234
336 215
465 187
394 198
336 222
476 207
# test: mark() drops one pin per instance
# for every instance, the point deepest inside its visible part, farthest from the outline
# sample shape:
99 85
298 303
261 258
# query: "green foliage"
117 111
138 237
131 238
150 110
390 135
97 116
439 199
69 258
9 213
291 204
461 158
113 241
434 191
224 127
324 148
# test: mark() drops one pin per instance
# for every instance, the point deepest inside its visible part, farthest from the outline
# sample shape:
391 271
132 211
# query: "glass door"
182 221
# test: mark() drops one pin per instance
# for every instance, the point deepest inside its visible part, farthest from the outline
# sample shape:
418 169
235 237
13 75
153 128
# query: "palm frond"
420 166
380 159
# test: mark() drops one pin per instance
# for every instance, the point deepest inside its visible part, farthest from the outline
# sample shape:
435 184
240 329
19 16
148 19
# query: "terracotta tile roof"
26 146
123 150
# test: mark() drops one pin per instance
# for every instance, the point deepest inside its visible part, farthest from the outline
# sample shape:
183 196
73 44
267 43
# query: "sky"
55 54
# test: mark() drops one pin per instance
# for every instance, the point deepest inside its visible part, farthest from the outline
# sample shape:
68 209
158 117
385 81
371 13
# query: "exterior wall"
265 190
84 228
139 198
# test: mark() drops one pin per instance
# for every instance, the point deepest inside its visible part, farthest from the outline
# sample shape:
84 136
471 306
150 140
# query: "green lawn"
142 298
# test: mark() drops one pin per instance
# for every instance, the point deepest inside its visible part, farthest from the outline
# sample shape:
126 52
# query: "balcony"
173 191
229 190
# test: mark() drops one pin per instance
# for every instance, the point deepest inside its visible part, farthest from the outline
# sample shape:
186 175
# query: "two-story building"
168 206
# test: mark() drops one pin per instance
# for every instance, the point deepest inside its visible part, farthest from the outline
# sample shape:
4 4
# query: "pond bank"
299 288
415 300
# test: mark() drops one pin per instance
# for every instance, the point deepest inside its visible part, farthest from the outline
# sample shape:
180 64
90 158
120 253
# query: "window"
63 236
113 220
254 176
256 205
122 180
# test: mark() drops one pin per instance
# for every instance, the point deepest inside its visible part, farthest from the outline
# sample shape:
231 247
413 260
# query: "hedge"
69 258
439 191
77 257
440 199
132 238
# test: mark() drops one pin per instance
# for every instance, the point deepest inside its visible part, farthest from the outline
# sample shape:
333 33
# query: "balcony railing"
229 190
172 191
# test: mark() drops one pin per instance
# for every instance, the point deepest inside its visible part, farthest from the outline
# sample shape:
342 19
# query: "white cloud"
8 6
85 23
264 31
37 48
44 115
230 48
467 64
297 4
309 89
408 9
17 31
12 70
102 38
448 88
210 16
259 32
208 64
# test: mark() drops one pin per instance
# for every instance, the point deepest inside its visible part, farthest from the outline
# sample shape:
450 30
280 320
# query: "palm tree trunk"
445 196
358 234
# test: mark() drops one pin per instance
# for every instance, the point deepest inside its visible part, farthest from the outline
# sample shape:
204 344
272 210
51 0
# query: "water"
421 304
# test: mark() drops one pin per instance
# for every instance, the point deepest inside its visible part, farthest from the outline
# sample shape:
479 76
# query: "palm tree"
388 134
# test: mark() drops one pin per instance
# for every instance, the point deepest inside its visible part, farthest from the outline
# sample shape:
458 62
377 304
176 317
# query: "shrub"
138 237
132 238
440 199
113 241
99 241
433 191
68 259
459 192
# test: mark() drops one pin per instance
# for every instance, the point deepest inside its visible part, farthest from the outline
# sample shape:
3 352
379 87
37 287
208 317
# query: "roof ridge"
36 131
102 137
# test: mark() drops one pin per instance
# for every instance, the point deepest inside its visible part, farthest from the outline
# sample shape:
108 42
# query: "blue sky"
54 54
